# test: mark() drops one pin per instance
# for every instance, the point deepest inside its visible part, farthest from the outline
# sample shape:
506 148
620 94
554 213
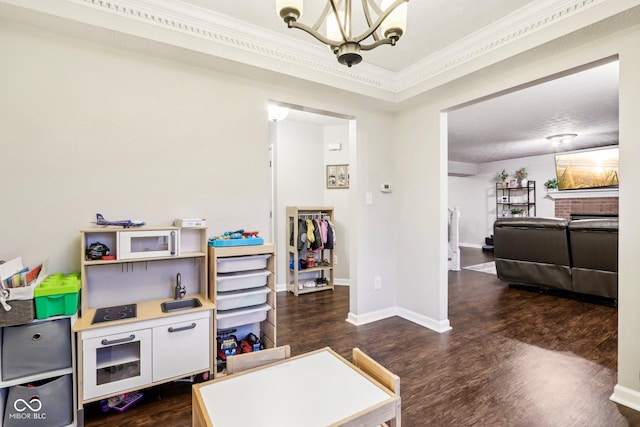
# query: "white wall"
339 199
300 179
89 128
475 195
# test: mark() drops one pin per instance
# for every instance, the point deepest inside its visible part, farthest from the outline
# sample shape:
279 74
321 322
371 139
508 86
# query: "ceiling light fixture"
562 137
277 113
391 19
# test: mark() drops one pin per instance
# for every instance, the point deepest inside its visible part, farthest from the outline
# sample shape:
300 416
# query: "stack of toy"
236 238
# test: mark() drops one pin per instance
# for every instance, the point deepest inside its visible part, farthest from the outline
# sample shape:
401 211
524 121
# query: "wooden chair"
244 361
381 374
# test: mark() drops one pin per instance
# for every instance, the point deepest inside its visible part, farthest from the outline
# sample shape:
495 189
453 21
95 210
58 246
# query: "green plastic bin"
57 295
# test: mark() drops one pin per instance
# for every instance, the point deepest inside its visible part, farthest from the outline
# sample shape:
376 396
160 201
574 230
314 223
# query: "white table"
320 388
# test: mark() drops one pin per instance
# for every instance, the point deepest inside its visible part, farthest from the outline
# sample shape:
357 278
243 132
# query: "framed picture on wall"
337 176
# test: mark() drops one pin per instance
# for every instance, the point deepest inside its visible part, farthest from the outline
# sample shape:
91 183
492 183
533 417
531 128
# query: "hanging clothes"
317 236
322 226
331 236
302 234
311 238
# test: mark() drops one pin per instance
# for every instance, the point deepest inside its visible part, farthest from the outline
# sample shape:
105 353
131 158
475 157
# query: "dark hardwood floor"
513 358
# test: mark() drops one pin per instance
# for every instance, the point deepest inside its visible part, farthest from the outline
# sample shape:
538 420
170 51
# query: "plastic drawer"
49 404
241 263
241 298
235 281
35 348
242 316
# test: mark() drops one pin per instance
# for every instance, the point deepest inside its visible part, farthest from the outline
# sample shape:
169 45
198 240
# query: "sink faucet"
180 290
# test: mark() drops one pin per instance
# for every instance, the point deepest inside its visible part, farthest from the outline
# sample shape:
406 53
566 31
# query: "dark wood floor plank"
513 358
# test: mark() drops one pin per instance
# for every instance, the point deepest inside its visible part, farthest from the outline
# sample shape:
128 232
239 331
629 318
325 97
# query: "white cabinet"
117 359
117 362
180 347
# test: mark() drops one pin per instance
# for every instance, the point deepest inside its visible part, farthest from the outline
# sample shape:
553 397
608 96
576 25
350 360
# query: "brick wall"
597 205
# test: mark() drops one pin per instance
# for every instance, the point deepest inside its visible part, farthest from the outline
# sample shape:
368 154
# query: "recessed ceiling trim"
272 51
522 23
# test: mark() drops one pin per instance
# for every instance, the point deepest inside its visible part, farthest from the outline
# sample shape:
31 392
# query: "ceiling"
432 25
510 126
445 39
515 125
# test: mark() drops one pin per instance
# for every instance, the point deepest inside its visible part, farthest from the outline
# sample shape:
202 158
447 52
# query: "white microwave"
148 243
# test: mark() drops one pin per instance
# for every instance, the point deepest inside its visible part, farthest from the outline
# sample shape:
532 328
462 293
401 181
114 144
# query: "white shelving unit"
247 275
52 374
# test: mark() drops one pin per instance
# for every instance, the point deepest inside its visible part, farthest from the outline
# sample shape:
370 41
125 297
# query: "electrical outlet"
377 283
335 260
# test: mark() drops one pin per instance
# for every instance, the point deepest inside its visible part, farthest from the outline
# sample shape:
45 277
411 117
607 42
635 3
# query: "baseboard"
626 397
282 287
470 245
427 322
373 316
439 326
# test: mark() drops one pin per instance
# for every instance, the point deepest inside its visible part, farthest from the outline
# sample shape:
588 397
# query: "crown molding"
535 17
184 25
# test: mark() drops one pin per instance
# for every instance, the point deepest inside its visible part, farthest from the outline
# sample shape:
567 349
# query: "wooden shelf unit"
295 275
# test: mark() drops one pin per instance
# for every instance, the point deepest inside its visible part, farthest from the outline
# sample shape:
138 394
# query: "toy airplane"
126 223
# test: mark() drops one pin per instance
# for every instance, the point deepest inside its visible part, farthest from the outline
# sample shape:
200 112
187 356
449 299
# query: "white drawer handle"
121 340
184 328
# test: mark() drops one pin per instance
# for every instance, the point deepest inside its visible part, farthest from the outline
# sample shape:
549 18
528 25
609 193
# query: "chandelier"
390 17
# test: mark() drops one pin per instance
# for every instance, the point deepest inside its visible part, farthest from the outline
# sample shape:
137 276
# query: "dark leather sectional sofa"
578 257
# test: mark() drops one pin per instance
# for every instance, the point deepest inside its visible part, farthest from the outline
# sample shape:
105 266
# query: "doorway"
302 144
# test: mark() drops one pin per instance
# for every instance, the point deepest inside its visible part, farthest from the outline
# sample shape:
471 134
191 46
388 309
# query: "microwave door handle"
173 243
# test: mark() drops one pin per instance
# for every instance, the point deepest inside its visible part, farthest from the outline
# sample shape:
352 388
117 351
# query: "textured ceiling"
516 124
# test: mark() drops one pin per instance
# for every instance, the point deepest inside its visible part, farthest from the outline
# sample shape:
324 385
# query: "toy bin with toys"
57 295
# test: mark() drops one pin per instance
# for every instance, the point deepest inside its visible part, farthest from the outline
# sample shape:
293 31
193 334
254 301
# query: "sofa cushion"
533 251
594 253
532 239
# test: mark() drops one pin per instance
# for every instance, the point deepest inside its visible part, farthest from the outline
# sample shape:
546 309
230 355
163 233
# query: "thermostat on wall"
190 222
385 188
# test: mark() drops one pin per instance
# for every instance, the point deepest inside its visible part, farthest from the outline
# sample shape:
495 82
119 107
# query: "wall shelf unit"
320 276
516 201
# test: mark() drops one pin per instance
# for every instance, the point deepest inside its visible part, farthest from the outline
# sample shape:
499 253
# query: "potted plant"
502 177
517 211
522 174
551 184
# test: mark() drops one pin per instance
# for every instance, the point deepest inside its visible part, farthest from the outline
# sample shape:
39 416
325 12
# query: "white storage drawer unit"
241 280
242 316
242 298
36 347
242 263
